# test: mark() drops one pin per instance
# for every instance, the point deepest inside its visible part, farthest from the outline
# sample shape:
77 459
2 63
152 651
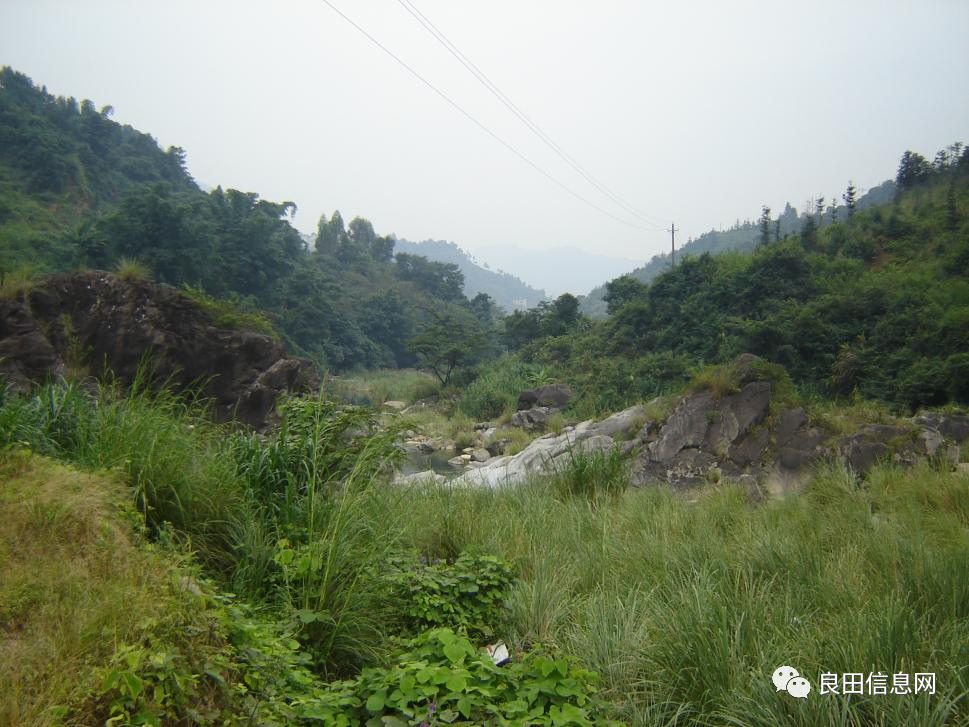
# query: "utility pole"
672 232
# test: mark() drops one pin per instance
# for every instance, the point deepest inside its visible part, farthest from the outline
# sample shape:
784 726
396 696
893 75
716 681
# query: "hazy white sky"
697 112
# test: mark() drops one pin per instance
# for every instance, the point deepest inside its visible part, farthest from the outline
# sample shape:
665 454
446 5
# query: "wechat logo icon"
787 679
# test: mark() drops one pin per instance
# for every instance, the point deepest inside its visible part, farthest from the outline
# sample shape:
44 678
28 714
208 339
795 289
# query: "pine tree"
764 225
850 197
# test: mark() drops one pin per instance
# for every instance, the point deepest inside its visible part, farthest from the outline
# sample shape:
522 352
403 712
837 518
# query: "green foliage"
371 388
441 678
592 475
877 302
468 595
231 313
79 190
496 388
129 269
455 340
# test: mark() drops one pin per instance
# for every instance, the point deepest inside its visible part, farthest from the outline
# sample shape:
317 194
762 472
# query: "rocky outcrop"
551 451
553 396
706 438
704 432
117 326
536 405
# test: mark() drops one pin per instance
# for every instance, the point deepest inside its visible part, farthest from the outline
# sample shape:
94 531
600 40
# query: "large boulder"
120 326
951 425
553 396
686 427
535 419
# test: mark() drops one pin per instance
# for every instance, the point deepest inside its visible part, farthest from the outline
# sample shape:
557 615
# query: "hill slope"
508 292
78 190
741 236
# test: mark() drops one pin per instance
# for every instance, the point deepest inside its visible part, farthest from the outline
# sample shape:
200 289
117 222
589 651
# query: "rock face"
117 325
703 432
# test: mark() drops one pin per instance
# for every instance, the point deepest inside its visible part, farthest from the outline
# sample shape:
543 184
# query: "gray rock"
736 414
480 455
456 461
688 468
928 442
686 427
425 447
497 447
394 405
531 419
953 426
483 426
553 395
427 476
861 454
803 448
884 433
543 455
623 422
789 422
750 449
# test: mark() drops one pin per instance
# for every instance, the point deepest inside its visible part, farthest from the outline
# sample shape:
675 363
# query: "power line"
441 38
480 125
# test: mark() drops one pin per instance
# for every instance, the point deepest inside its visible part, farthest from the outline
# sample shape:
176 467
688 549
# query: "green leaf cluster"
468 595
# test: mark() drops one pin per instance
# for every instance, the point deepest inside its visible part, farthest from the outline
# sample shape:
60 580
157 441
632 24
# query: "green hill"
509 292
80 190
741 236
876 304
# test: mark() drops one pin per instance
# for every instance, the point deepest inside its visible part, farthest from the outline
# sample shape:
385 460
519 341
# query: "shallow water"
437 461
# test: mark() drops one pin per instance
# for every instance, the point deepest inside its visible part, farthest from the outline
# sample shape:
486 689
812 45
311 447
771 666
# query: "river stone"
480 455
427 476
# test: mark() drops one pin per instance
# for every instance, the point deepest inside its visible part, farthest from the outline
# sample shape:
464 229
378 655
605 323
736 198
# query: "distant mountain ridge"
508 291
742 236
559 269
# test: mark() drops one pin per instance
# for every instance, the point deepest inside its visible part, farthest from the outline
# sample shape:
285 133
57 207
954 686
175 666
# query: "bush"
468 596
130 269
441 678
591 475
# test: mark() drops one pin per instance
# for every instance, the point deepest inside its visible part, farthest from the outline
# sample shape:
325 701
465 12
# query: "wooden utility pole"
672 232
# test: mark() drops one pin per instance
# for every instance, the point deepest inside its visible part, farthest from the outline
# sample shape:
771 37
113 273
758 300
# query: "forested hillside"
79 190
509 292
876 304
744 235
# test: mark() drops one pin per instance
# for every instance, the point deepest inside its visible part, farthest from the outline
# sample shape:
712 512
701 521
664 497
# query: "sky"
689 112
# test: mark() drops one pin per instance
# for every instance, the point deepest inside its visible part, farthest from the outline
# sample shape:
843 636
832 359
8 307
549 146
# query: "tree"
850 198
562 316
361 232
621 291
325 239
819 210
451 341
912 169
764 225
809 233
484 308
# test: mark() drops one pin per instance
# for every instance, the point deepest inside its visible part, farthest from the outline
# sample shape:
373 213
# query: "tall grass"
372 388
686 608
495 391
